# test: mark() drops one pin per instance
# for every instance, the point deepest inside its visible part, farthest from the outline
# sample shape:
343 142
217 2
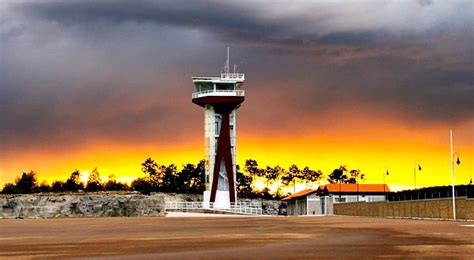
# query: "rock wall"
179 196
102 204
269 207
81 205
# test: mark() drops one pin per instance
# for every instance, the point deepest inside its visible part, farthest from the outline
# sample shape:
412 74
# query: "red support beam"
223 153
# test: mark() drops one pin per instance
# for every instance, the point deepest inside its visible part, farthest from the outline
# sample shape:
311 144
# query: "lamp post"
357 183
384 184
452 171
340 195
415 169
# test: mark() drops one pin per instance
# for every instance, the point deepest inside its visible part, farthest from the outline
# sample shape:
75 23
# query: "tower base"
222 199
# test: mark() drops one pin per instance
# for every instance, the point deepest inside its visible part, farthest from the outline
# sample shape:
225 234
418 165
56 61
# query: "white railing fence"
239 76
219 92
247 208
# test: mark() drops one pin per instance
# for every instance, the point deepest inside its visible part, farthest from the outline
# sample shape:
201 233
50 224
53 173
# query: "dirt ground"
234 237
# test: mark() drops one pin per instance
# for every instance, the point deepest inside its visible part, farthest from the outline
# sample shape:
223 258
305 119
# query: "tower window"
225 86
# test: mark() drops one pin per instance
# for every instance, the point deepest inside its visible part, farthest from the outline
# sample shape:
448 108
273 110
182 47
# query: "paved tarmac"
236 238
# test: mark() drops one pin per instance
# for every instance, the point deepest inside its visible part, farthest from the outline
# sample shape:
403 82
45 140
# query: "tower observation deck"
220 97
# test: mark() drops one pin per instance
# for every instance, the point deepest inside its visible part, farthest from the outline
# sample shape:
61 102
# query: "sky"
374 85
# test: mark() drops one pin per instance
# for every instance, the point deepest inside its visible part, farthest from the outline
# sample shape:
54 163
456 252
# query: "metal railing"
219 92
239 76
246 208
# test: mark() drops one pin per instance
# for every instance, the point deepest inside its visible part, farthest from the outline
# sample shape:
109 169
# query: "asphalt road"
234 237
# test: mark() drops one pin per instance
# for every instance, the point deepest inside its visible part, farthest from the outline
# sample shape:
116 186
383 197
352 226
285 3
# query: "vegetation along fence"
427 208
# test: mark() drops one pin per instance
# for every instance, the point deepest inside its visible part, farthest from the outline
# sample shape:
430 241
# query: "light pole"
414 170
357 183
384 191
452 171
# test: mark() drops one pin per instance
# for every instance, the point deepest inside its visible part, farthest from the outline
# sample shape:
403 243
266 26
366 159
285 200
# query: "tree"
311 175
155 172
27 183
294 173
280 173
170 183
244 188
57 186
338 175
184 178
44 187
251 167
9 188
114 185
73 183
93 183
253 171
265 194
191 178
198 178
355 175
142 185
271 174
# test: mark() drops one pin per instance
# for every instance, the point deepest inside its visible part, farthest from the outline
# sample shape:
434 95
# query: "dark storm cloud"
311 25
78 70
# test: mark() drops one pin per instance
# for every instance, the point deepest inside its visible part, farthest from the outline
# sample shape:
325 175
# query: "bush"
9 188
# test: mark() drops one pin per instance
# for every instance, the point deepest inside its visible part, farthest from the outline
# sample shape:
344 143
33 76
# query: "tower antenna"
227 62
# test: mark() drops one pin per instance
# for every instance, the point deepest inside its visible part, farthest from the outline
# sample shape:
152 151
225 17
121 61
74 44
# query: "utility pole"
452 172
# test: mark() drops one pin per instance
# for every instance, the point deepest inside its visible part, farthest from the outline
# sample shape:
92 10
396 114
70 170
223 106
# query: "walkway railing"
246 208
238 76
219 92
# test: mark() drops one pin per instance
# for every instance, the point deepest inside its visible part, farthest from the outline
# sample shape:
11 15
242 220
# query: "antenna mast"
227 66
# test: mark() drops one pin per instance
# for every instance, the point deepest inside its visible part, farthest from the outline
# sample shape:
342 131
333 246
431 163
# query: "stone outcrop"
81 205
180 197
102 204
269 207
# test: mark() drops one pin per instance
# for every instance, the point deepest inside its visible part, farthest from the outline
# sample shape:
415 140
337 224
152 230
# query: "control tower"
220 97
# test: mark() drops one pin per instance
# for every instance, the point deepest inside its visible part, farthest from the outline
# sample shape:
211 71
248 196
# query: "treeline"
190 179
160 178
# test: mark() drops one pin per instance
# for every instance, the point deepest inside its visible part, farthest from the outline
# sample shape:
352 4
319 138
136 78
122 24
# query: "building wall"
355 198
313 204
316 205
429 208
327 203
296 207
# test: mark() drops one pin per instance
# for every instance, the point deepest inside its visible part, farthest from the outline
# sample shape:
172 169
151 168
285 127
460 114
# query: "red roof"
336 188
343 188
299 194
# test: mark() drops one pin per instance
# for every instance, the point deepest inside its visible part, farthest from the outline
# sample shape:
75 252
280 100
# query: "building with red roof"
319 201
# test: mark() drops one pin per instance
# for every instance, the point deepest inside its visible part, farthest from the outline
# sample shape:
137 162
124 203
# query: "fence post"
465 207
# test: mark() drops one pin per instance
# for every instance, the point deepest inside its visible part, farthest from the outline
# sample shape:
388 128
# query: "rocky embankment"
87 204
102 204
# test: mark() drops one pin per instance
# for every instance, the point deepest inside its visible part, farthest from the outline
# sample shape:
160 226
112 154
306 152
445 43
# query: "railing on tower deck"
245 208
219 92
233 76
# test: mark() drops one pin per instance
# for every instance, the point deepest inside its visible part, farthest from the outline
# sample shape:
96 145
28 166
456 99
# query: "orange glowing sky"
372 85
383 146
